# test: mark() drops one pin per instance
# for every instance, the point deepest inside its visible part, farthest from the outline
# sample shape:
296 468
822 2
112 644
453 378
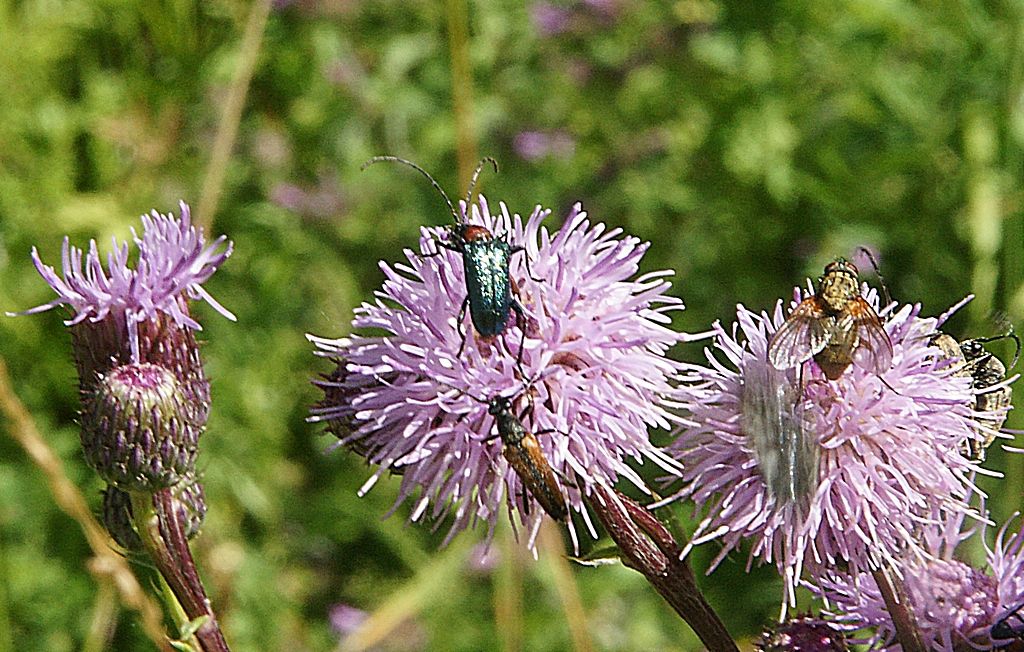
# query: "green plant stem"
6 638
462 88
565 583
104 619
508 595
231 116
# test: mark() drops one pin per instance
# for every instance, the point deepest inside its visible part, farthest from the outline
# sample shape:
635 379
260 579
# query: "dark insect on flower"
485 260
1010 626
523 453
836 326
992 396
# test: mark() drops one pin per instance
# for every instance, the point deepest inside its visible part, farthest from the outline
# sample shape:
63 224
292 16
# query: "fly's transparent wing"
874 348
801 336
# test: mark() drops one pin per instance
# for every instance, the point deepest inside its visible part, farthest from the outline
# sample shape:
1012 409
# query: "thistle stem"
164 539
647 546
898 606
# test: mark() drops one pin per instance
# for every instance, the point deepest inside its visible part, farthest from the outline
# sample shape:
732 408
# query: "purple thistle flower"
595 342
144 393
549 19
173 263
955 604
821 473
345 618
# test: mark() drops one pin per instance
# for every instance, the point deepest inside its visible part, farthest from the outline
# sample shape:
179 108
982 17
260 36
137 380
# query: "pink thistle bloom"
145 397
174 261
596 339
816 473
955 604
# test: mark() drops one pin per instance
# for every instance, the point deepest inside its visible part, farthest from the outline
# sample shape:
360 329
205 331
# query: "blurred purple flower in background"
321 200
549 19
887 449
955 604
535 145
596 339
345 618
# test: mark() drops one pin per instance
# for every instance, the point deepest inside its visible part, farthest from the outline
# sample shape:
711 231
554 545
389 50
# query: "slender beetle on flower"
485 259
521 449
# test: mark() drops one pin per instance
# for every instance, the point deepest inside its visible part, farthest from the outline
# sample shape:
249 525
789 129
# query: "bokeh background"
749 142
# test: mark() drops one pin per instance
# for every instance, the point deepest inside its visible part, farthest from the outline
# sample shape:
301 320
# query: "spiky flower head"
803 633
145 396
818 473
955 604
594 350
188 499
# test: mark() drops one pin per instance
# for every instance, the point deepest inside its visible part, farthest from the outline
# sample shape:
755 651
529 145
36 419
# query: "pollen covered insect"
485 259
992 397
836 326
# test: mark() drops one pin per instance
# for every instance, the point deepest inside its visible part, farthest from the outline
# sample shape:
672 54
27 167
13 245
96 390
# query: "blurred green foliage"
750 142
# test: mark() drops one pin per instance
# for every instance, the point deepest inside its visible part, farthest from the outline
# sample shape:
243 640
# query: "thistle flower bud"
802 634
145 396
101 346
139 431
189 503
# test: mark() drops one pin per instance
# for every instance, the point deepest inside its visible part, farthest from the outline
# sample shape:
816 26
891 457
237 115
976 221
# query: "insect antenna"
433 182
1010 334
878 273
476 175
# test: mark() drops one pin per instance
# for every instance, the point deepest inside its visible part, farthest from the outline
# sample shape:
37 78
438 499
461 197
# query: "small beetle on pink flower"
594 347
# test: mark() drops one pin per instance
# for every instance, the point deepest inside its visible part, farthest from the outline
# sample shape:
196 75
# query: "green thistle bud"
139 431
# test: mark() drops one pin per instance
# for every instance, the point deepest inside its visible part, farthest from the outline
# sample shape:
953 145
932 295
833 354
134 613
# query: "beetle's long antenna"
881 280
476 175
433 182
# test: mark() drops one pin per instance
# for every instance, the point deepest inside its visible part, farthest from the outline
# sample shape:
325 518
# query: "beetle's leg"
459 325
443 244
518 248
